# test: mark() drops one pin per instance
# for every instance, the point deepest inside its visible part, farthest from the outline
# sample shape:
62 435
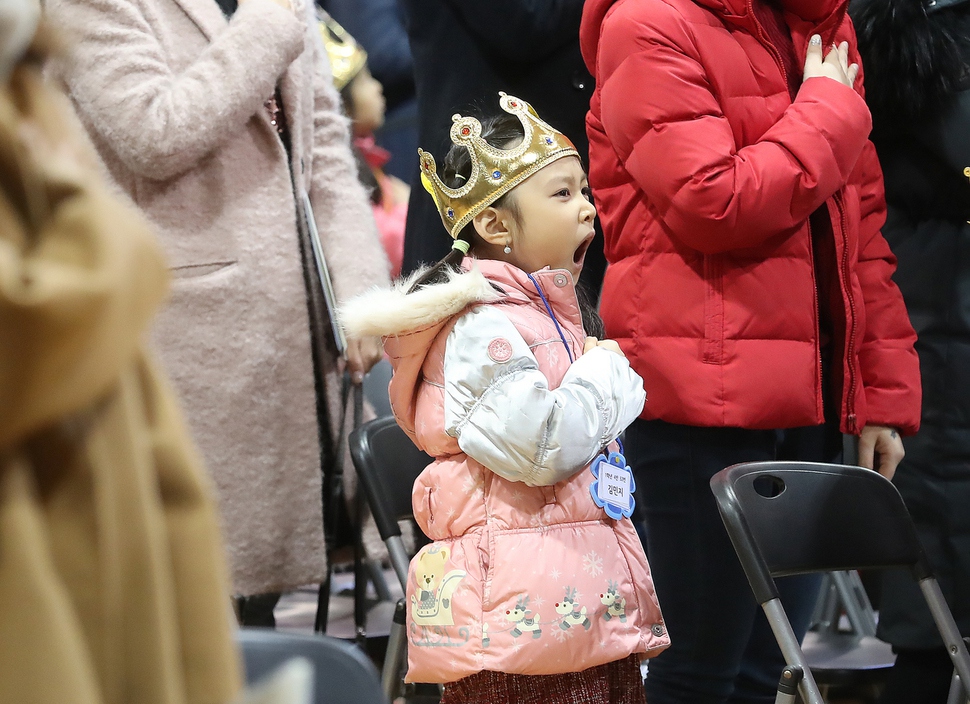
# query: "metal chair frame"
387 464
788 518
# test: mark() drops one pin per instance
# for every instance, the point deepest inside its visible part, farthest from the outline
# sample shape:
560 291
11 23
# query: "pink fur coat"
173 94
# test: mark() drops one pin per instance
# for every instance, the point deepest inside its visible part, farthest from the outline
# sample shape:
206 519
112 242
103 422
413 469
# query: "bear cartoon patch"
431 602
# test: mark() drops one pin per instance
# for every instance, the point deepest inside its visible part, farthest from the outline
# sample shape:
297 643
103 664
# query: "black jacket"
918 88
465 52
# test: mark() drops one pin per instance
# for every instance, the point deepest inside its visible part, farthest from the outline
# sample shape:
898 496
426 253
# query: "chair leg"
396 653
378 580
790 649
956 695
399 559
955 645
856 602
825 617
788 685
323 604
360 595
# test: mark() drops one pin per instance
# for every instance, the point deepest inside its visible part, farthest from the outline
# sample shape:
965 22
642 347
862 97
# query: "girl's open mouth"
580 254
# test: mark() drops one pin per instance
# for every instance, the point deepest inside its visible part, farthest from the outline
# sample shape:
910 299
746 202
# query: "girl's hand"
884 441
610 345
834 66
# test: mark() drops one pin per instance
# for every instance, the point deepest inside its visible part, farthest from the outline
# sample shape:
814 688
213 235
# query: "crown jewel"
346 56
494 171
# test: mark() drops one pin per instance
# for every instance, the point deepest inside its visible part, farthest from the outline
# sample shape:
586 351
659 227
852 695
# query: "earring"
508 249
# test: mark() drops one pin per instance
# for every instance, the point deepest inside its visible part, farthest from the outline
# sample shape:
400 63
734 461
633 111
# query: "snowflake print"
592 564
561 634
538 602
555 574
471 484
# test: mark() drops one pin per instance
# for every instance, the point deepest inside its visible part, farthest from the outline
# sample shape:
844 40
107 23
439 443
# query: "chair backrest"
342 673
387 464
797 517
375 388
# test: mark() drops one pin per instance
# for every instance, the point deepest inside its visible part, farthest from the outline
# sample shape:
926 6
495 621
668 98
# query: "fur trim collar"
393 311
912 58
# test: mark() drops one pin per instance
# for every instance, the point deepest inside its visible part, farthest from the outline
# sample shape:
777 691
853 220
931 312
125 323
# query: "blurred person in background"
917 58
378 25
113 579
364 104
464 51
220 120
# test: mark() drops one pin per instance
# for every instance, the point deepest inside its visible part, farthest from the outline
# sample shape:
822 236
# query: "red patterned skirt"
616 682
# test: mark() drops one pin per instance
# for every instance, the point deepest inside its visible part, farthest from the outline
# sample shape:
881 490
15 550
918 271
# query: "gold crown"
495 171
346 56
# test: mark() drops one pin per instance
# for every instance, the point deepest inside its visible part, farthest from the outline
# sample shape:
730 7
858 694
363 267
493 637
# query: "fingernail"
816 40
358 378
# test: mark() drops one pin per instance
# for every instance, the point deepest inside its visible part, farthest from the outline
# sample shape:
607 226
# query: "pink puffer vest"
519 579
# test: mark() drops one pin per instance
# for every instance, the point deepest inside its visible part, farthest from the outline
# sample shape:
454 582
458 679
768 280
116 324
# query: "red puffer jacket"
705 174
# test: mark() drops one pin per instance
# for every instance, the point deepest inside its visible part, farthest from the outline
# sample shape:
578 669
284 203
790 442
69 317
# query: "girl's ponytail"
451 264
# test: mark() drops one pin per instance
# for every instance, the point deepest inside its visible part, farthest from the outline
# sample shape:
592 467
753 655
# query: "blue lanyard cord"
562 337
553 316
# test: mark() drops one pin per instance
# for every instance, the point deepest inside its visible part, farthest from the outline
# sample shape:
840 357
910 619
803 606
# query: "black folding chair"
788 518
342 673
387 464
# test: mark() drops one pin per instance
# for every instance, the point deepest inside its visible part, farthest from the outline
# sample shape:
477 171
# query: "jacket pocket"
712 351
429 503
198 271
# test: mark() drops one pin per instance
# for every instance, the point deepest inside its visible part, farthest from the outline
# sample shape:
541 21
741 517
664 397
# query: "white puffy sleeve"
499 406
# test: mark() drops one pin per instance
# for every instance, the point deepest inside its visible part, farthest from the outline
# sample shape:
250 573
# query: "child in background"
363 99
535 588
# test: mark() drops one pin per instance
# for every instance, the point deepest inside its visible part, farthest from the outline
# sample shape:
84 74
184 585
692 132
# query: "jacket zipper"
850 417
766 42
844 8
818 334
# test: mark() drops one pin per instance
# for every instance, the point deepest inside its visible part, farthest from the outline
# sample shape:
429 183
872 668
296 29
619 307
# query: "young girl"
535 587
363 99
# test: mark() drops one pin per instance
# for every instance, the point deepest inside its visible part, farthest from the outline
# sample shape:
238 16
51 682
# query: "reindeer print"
571 612
614 603
523 622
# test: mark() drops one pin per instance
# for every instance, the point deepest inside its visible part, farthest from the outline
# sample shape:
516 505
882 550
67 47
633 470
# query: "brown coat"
173 96
112 575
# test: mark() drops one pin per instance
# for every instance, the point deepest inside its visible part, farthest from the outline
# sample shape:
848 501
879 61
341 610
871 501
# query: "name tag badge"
613 487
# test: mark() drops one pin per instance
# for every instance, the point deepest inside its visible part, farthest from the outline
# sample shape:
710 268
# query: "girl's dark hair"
501 131
592 322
